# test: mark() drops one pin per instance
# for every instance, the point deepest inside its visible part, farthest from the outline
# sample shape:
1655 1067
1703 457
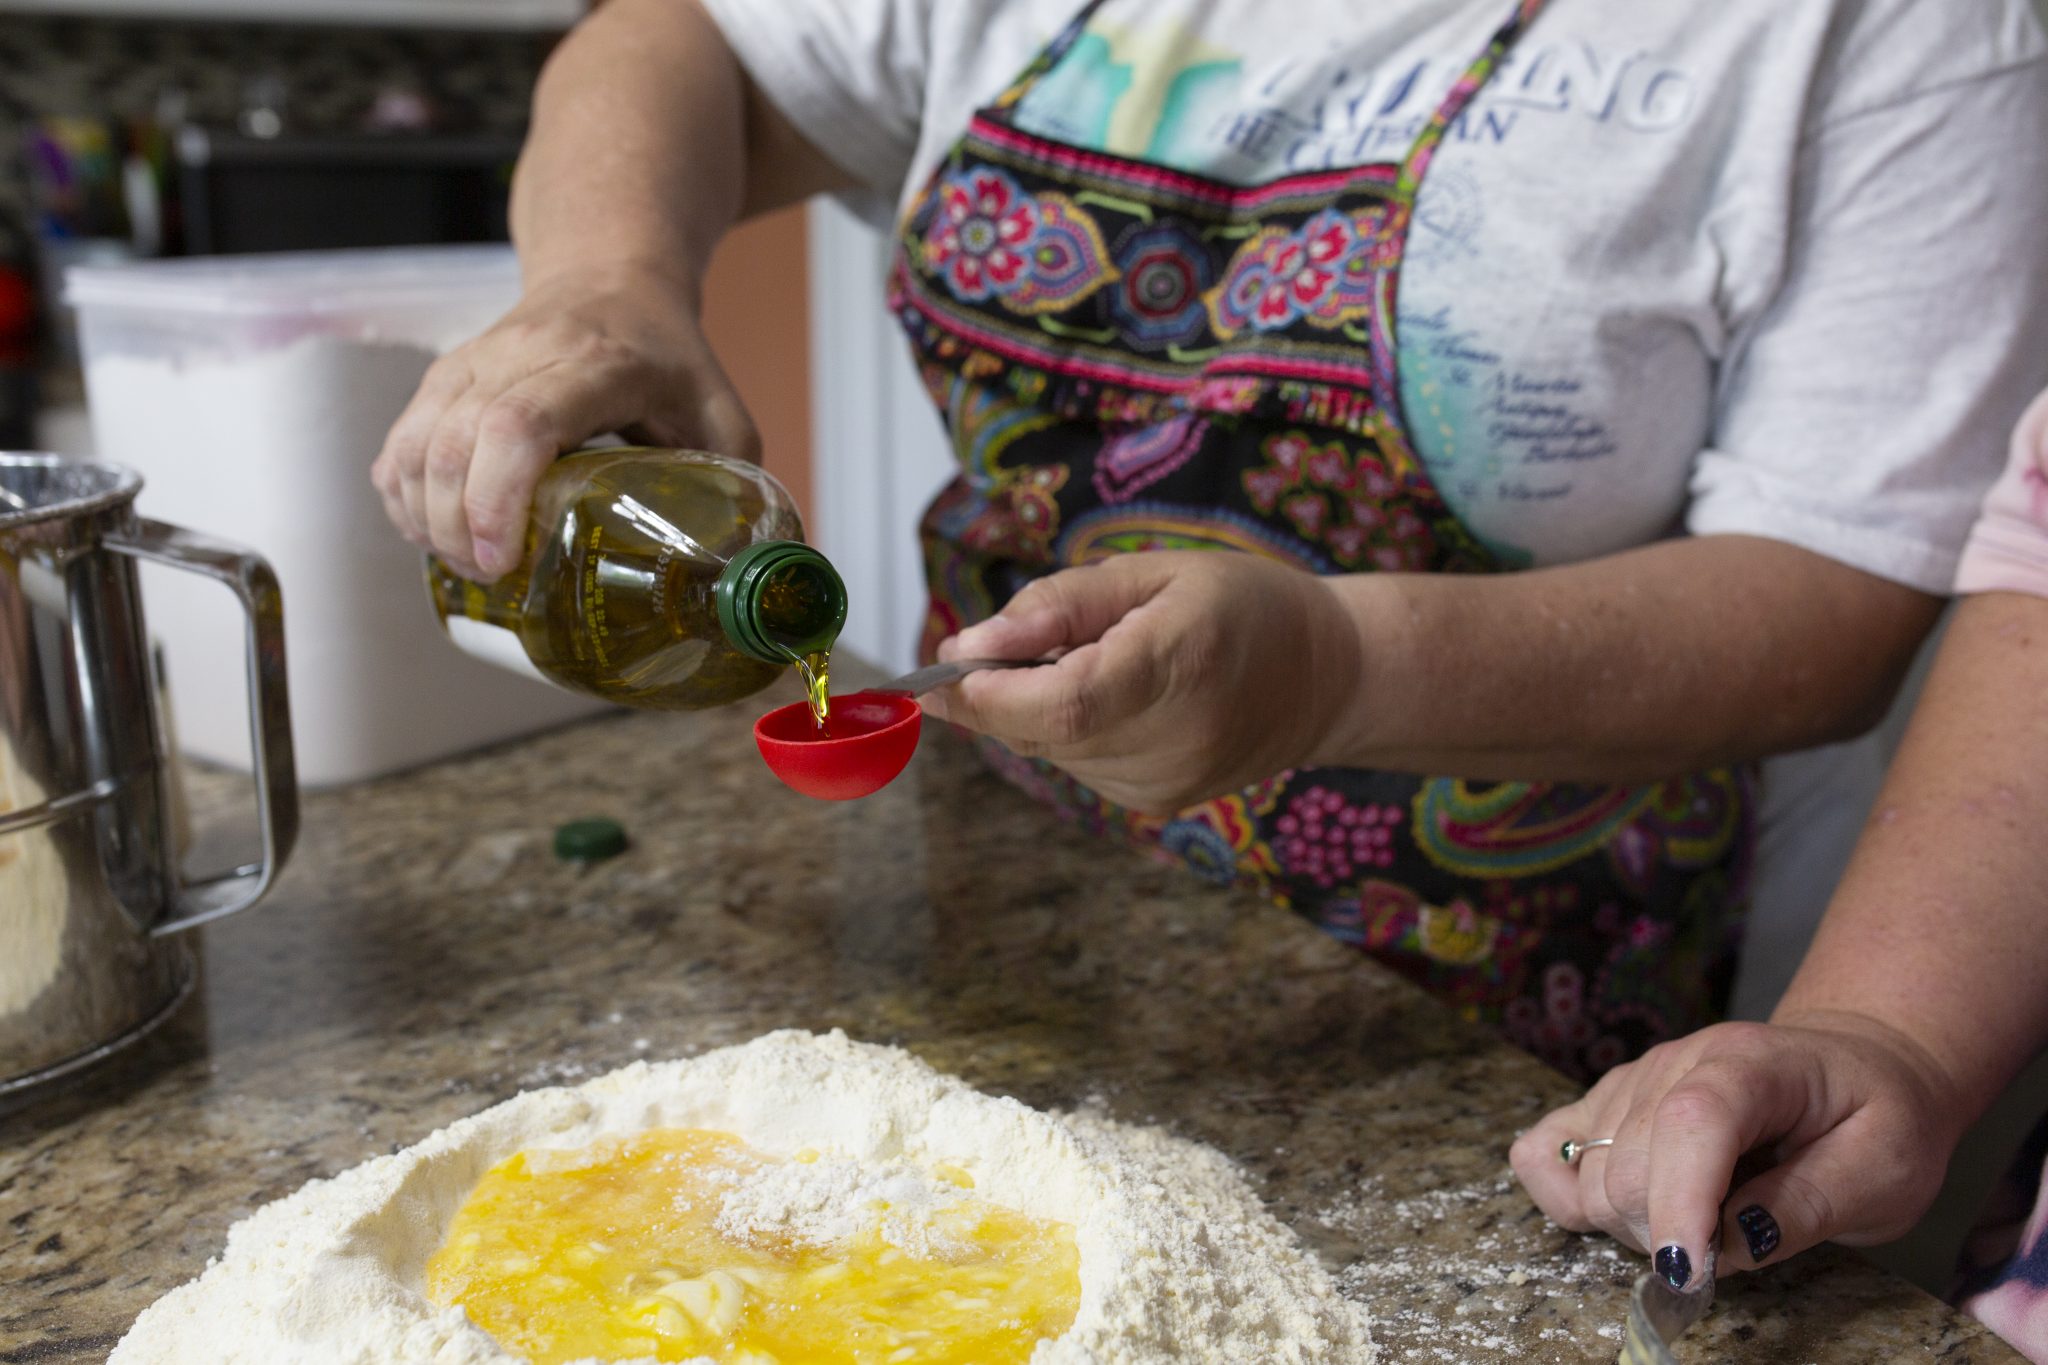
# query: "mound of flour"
1180 1264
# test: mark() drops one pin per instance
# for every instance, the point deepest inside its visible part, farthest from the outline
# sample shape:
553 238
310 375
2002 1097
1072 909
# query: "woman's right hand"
584 353
1855 1121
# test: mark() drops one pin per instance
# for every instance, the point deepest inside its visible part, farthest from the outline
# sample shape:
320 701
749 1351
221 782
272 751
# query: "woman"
1924 994
1390 298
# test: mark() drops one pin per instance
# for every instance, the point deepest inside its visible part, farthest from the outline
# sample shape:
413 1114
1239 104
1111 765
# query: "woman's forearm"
1937 930
1682 655
648 144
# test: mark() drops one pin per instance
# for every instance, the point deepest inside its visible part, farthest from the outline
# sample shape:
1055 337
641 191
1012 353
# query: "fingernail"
1675 1266
490 559
1760 1230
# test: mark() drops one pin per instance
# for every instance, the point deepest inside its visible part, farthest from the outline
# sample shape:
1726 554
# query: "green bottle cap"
590 841
779 598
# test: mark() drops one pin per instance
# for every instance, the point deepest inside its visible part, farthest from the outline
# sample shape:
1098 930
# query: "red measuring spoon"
868 741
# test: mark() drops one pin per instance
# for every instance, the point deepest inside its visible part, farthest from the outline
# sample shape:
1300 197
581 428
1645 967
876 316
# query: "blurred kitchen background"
140 129
163 128
165 150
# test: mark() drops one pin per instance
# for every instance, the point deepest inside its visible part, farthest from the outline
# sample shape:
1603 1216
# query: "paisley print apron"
1130 357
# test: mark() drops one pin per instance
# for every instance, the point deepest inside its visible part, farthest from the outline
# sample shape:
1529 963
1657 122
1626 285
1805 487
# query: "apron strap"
1467 89
1044 62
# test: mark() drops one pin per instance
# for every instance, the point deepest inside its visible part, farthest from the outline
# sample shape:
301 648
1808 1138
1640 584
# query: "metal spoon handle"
942 675
1658 1316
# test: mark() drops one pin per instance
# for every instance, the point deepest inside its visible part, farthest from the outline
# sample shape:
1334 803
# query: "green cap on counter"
590 841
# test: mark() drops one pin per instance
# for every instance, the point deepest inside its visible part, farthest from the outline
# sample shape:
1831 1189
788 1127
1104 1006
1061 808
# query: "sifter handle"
254 584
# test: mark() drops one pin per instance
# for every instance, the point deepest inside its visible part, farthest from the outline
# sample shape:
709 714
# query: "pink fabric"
2016 1309
2006 1260
2008 549
2004 1266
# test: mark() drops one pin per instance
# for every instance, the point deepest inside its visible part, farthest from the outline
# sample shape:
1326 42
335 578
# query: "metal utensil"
1659 1315
945 675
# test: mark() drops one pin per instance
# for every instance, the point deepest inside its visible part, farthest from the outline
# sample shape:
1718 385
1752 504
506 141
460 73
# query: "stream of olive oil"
815 668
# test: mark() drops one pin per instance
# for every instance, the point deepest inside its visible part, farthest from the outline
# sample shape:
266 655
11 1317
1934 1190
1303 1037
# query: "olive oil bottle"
665 579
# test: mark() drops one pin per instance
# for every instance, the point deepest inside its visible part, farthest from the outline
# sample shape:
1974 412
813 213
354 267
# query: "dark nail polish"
1675 1266
1760 1230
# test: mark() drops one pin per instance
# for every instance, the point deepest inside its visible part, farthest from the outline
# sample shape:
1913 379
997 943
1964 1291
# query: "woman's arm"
1682 655
648 143
1937 930
1189 675
1924 993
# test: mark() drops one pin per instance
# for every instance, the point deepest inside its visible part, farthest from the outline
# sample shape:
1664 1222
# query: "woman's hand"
648 144
581 355
1180 675
1857 1122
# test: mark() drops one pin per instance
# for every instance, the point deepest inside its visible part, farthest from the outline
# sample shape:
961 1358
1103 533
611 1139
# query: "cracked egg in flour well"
796 1200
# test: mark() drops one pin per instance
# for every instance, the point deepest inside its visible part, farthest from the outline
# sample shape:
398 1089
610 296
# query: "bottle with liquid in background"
666 579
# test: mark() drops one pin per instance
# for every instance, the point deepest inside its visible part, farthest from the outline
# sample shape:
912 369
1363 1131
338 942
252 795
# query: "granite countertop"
425 956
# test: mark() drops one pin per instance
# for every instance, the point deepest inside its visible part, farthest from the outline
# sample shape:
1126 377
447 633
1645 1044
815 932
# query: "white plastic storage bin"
252 394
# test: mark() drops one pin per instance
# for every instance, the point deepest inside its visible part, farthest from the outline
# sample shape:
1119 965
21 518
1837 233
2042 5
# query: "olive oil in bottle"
665 579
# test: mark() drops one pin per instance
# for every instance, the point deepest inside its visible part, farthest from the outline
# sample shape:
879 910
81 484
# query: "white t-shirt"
1759 266
1771 267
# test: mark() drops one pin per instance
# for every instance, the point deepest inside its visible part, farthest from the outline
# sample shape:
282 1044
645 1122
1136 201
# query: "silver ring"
1573 1149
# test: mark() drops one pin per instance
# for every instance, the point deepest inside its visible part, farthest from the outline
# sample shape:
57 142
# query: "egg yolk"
615 1252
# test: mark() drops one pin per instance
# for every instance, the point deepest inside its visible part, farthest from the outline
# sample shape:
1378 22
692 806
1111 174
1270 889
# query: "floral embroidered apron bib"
1130 357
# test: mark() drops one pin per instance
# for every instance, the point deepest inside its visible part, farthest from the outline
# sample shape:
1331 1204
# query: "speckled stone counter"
425 956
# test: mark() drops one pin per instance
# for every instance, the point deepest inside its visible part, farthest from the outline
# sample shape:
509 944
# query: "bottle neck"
780 600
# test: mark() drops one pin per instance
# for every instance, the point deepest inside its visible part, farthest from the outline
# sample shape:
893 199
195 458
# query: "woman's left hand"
1179 675
1858 1120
